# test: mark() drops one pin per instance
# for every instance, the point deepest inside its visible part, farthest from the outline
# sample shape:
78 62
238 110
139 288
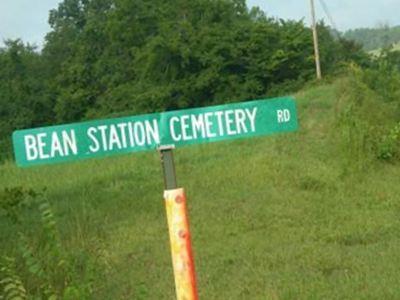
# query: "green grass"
271 218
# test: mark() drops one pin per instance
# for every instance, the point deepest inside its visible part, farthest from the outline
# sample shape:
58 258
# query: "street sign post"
164 132
178 228
66 143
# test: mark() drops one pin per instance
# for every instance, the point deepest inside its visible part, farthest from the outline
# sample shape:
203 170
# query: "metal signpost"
164 132
178 227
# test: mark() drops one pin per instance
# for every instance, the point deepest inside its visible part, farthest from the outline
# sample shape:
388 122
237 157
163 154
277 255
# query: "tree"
24 101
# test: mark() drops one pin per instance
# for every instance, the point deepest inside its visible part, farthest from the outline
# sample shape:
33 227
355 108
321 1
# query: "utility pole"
315 34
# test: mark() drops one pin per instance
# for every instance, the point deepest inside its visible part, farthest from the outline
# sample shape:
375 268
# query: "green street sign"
101 138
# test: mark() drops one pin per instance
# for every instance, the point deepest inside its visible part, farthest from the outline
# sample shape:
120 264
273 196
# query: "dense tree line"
375 38
116 57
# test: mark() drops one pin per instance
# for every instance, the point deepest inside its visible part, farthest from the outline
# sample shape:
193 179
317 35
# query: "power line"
328 14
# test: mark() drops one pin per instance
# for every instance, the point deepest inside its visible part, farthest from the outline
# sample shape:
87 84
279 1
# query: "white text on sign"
283 115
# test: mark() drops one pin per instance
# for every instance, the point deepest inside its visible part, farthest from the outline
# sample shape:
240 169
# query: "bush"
366 119
41 268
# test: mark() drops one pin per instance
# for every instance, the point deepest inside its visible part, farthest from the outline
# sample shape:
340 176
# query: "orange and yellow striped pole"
179 233
181 248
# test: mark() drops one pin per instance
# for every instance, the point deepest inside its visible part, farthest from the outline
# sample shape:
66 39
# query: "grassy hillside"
280 217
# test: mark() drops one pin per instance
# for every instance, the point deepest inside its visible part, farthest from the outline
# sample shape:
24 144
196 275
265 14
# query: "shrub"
365 119
41 267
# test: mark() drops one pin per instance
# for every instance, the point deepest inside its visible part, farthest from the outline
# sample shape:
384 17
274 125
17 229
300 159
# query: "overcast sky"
346 14
27 19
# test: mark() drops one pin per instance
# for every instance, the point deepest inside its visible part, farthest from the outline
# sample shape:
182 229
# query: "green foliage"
357 131
42 266
49 265
11 286
366 115
390 146
14 200
336 51
374 38
25 100
118 57
130 58
114 57
383 76
275 218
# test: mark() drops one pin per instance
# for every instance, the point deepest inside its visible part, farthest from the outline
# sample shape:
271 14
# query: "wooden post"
316 46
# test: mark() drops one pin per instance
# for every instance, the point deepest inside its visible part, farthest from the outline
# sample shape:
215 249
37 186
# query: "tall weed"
41 267
363 120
